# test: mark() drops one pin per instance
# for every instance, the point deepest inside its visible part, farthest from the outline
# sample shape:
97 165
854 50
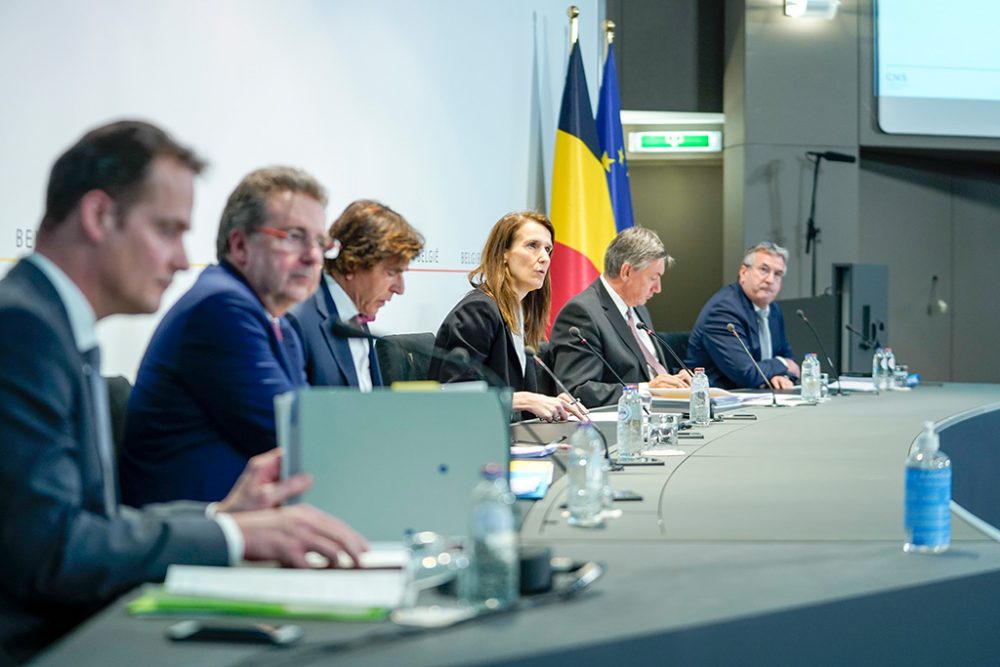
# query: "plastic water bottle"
495 568
629 424
810 379
927 515
888 370
585 496
699 409
877 360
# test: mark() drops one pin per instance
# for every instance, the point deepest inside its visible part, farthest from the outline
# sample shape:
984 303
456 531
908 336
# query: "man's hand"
286 534
260 486
781 382
793 368
681 380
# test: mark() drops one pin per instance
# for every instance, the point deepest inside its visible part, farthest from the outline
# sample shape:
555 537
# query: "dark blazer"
203 401
63 557
327 356
476 326
713 347
600 322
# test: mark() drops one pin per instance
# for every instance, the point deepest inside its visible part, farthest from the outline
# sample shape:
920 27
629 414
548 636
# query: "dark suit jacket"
63 557
600 322
203 401
328 356
476 326
713 347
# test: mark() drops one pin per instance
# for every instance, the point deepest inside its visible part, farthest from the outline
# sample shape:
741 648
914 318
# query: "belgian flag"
581 208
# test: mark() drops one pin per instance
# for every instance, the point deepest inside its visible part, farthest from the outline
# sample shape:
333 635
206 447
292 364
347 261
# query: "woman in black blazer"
505 312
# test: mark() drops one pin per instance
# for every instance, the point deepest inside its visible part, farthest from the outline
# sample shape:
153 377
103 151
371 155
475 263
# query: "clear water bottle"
877 360
888 370
495 568
811 389
629 424
585 495
927 513
699 409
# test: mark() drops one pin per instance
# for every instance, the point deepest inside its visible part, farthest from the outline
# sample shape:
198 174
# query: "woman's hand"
546 408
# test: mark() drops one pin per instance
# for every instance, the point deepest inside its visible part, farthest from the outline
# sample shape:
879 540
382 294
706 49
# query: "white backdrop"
445 110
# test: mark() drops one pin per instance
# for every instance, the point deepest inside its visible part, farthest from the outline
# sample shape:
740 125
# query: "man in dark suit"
117 206
607 313
376 246
203 402
748 305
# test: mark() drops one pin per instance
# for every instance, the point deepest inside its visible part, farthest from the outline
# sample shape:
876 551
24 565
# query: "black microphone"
530 351
348 330
832 156
774 396
819 341
575 331
458 356
866 343
642 325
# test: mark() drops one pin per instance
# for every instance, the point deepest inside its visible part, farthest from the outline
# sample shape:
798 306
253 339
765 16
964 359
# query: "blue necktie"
102 420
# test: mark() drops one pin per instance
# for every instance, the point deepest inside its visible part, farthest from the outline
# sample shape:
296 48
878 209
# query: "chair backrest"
119 389
678 340
404 357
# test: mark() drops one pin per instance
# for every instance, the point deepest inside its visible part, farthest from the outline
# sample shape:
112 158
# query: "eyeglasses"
296 240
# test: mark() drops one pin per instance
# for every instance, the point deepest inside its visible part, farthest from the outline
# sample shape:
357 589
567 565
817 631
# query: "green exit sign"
675 141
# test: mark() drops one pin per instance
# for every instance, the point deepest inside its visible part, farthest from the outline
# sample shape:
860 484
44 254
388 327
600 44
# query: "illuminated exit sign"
677 141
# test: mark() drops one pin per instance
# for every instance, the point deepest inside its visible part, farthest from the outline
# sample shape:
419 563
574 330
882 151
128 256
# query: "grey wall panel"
683 203
975 293
906 224
669 54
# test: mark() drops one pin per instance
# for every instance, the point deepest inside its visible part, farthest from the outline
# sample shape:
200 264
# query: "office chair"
405 357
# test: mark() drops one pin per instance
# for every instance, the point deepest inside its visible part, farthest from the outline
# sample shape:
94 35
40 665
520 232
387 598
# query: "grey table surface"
775 541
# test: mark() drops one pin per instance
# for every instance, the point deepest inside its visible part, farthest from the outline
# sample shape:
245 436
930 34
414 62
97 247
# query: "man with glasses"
117 206
203 402
749 305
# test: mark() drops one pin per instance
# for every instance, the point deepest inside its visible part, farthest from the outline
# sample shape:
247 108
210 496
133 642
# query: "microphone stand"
663 341
829 361
812 231
774 396
614 467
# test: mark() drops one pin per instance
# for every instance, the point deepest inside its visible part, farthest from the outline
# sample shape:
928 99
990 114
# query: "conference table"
776 540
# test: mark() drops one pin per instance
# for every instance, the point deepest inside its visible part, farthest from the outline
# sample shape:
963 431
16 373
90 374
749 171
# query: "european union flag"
609 135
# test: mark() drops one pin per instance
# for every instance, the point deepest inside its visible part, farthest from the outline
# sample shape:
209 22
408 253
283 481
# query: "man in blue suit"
749 305
376 246
117 207
203 402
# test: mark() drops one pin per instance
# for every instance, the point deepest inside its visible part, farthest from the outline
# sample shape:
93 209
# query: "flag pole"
574 28
609 37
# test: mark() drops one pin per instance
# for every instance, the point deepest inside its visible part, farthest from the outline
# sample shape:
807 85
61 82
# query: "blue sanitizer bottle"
927 515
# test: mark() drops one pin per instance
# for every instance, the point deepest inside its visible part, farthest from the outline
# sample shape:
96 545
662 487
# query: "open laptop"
390 463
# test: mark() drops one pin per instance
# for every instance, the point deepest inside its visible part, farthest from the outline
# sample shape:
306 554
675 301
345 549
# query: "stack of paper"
264 591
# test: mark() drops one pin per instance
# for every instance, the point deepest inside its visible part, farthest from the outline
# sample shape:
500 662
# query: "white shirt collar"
346 310
619 302
765 311
82 319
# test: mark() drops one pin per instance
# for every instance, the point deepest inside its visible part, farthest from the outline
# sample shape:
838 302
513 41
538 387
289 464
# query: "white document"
362 589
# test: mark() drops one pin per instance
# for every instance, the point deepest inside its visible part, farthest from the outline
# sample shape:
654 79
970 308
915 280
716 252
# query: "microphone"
347 330
802 316
642 325
774 396
832 156
530 351
575 331
866 343
458 356
533 354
